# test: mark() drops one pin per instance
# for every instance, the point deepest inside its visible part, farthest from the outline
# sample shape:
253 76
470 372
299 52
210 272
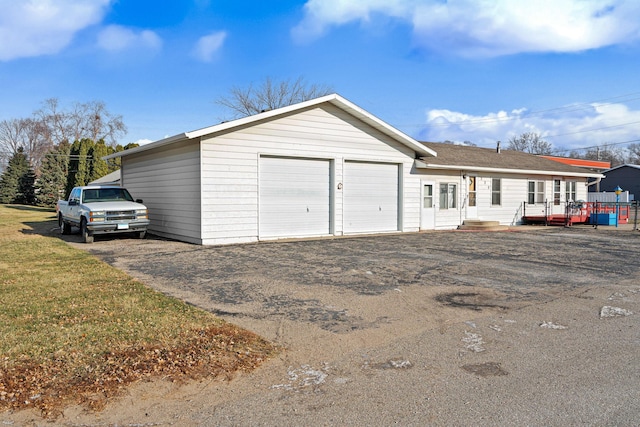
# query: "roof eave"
159 143
421 164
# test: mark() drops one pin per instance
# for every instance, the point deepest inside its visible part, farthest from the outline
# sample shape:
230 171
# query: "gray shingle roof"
468 157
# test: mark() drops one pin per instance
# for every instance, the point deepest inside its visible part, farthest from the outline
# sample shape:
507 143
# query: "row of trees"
52 125
531 142
61 169
41 163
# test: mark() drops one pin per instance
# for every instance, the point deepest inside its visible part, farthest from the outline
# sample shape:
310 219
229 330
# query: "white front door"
428 206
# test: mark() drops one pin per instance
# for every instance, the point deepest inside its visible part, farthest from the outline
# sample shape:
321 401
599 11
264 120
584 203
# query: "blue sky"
461 70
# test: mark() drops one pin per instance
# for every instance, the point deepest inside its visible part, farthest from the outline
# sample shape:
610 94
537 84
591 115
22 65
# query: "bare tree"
51 126
10 138
83 120
27 134
270 95
530 142
607 153
634 153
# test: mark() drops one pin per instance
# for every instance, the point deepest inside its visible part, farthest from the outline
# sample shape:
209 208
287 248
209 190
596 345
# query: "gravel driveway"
538 326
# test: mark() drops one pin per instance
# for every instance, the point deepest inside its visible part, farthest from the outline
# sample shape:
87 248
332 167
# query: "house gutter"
597 181
421 164
160 143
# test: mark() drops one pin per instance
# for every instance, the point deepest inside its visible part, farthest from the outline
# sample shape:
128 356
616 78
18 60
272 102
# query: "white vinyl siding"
513 193
168 181
370 197
295 198
230 168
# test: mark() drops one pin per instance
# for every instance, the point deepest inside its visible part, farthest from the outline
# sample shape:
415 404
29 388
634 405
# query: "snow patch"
302 377
400 364
608 311
616 296
474 342
551 325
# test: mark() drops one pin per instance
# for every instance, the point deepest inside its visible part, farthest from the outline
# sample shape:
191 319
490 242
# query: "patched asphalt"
434 328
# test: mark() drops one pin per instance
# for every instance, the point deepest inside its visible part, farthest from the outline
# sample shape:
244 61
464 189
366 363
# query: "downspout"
597 181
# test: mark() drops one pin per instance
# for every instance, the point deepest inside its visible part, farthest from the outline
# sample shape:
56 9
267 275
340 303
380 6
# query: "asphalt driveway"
531 327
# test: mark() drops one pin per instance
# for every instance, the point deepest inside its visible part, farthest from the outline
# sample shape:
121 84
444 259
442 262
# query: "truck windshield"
94 195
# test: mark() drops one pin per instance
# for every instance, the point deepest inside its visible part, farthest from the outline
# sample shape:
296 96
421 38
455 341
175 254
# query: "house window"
571 191
472 191
536 192
556 192
427 200
448 194
496 192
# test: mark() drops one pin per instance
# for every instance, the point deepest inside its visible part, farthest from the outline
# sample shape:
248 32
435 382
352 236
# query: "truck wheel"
141 234
65 228
87 237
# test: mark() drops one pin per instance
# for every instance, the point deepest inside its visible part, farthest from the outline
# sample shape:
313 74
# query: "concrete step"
482 225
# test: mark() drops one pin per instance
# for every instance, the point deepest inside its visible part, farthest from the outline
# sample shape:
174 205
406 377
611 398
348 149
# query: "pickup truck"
101 209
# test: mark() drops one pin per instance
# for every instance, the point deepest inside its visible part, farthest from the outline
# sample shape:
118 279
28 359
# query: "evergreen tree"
99 167
10 183
114 164
52 182
26 188
79 168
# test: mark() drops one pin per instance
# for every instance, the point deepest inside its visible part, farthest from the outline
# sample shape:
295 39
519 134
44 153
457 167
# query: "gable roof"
462 157
333 99
622 166
110 178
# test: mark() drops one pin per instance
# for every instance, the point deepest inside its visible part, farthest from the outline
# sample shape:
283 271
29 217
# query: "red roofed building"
594 165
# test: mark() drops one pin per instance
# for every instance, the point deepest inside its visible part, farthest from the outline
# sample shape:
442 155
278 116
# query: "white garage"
324 167
295 197
370 197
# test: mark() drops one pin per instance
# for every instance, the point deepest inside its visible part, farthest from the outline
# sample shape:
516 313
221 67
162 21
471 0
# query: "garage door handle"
307 208
380 208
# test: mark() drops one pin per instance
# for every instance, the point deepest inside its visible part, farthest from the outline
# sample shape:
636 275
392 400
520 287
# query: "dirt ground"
534 326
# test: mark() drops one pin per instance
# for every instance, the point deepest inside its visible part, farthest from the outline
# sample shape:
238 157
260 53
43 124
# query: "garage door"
370 197
294 197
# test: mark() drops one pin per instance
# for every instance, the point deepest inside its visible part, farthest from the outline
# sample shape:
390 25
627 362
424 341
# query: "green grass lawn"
74 329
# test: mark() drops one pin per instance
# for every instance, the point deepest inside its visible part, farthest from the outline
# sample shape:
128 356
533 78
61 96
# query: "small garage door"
295 197
370 197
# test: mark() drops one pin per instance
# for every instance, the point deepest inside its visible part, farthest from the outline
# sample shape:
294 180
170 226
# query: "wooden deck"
579 214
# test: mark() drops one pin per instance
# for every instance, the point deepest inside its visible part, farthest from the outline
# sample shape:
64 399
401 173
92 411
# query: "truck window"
107 195
75 195
90 196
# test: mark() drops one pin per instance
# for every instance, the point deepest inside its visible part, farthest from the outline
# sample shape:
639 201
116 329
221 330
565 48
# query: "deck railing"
579 213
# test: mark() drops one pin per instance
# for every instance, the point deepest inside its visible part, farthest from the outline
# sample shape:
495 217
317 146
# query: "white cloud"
208 45
487 28
116 38
572 126
44 27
